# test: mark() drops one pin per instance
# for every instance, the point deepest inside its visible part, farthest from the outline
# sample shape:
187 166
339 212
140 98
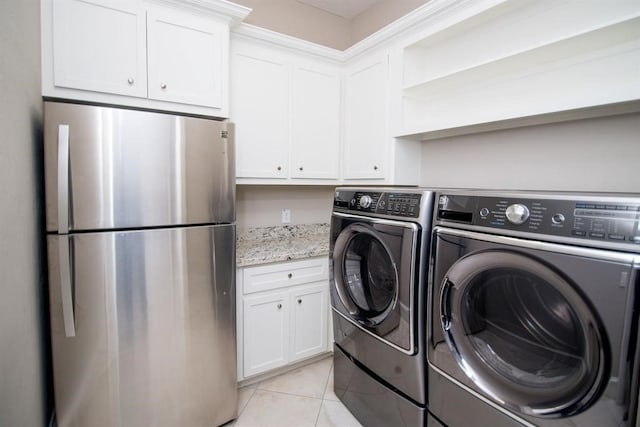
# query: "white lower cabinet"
266 331
282 314
308 331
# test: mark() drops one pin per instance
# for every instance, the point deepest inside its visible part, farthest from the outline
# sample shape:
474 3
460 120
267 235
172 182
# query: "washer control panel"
389 203
605 219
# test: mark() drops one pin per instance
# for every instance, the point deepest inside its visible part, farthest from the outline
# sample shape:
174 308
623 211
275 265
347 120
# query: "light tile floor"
301 397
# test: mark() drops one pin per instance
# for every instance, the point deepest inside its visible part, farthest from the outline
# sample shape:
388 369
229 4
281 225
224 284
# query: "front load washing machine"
535 300
378 256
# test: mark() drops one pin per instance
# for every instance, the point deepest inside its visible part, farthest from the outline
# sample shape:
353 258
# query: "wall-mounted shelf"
473 73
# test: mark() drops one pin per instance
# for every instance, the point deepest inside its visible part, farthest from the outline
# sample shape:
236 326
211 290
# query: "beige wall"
588 155
24 400
261 206
299 20
309 23
380 15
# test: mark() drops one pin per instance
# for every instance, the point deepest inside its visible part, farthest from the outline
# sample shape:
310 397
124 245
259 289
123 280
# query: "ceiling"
344 8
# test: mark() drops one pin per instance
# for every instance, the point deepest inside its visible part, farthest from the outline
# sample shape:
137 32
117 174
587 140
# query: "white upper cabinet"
186 57
366 119
91 55
315 122
167 56
260 109
371 154
286 107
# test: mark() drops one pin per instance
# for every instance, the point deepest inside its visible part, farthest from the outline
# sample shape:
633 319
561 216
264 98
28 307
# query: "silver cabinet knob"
375 167
290 275
299 301
301 168
130 80
279 168
163 85
279 306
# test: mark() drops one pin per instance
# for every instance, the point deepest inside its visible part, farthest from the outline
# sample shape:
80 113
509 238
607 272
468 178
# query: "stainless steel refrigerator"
140 211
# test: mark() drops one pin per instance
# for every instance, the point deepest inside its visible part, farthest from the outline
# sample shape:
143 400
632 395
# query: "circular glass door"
366 277
523 334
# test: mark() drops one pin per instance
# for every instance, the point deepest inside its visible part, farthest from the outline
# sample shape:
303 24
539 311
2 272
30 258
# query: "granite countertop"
284 243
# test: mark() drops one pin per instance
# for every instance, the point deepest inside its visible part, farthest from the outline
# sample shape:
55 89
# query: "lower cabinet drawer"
273 276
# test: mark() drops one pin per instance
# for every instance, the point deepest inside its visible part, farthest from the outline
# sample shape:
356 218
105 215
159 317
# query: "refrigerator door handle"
63 179
66 292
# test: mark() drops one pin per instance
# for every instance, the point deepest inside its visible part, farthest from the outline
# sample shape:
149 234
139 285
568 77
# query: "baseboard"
283 369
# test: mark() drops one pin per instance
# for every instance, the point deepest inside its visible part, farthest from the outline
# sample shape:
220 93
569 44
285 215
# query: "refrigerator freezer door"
126 169
154 337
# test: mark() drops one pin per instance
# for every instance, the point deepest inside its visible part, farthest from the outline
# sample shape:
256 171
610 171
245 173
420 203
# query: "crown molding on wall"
290 42
235 13
432 17
440 13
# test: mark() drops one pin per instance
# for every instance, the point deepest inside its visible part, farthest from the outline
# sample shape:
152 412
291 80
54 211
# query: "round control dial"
557 218
365 201
517 214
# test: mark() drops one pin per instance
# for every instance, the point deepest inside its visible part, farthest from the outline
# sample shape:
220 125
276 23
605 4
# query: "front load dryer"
378 256
534 318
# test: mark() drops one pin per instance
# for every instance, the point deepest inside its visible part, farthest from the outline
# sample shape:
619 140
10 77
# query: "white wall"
24 376
587 155
261 206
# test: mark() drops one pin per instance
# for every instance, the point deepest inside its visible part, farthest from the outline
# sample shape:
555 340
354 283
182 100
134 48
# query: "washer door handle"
445 304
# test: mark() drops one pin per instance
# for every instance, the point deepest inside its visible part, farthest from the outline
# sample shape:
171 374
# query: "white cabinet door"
366 119
282 314
186 54
266 331
308 321
260 109
100 46
315 122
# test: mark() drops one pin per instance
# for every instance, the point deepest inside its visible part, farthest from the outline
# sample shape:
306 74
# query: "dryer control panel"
593 219
387 203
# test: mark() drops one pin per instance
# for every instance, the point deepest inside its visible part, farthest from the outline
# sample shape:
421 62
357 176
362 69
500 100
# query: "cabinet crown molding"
289 42
452 10
233 12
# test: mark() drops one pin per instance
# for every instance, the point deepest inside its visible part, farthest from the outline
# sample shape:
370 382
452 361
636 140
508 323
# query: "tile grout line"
246 404
257 386
324 393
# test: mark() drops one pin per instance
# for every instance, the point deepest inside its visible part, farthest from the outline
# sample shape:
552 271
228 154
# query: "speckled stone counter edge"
262 245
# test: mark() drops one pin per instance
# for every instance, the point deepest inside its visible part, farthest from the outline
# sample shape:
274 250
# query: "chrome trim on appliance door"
342 243
63 179
412 278
554 313
377 337
66 286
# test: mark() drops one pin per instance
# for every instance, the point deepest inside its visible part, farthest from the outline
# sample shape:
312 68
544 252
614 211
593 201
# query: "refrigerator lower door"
154 328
